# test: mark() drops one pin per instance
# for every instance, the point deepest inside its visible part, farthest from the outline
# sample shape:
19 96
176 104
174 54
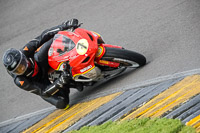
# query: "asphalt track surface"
164 99
165 31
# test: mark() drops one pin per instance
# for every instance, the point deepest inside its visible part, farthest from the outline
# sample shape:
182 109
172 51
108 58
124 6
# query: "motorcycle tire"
125 57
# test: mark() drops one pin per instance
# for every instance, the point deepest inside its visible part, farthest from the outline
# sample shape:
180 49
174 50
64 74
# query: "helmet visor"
22 65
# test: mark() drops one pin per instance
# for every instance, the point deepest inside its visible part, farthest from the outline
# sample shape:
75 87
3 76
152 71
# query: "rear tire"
125 57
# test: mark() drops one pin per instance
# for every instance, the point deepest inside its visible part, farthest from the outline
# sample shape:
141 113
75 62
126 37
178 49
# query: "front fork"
100 53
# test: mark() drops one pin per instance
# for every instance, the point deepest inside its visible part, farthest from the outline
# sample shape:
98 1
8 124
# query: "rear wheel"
125 57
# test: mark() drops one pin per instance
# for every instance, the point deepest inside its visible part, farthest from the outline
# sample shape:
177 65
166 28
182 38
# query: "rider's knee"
61 104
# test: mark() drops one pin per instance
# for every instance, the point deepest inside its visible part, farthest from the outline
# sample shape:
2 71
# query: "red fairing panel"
80 56
80 48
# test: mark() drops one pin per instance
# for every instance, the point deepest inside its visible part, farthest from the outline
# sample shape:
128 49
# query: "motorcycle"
84 56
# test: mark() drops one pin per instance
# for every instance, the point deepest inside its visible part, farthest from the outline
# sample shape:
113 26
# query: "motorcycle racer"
29 68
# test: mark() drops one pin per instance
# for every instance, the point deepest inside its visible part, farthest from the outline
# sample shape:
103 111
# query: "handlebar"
75 26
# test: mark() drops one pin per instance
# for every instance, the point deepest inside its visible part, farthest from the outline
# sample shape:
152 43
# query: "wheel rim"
126 63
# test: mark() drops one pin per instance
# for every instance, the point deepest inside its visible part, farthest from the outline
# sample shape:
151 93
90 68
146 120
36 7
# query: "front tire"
125 57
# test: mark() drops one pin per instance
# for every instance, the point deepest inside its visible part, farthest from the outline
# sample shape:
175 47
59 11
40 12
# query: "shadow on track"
98 89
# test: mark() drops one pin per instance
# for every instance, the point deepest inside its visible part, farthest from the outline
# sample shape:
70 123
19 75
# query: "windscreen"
65 41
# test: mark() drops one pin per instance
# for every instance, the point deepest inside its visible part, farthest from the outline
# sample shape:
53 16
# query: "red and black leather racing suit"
38 83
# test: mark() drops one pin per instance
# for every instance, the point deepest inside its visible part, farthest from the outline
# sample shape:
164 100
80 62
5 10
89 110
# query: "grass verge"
145 125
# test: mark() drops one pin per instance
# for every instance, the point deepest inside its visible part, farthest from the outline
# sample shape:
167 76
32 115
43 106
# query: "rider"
29 67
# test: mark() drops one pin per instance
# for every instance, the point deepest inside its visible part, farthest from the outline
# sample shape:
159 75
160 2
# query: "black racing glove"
56 86
63 80
73 23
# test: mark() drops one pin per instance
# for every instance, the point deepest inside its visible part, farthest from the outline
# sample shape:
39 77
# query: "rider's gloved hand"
56 86
70 23
64 79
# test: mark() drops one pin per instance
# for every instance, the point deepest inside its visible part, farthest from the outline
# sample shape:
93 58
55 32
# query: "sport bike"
84 56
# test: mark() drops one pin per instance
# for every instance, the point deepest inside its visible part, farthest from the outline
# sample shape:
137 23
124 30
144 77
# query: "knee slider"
61 103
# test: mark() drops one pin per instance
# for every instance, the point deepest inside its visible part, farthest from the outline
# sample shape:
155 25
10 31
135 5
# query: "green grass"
144 125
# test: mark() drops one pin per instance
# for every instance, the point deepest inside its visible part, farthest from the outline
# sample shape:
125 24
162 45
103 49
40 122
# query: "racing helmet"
17 63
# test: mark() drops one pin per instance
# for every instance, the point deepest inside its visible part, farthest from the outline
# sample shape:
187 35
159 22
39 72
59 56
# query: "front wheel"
125 57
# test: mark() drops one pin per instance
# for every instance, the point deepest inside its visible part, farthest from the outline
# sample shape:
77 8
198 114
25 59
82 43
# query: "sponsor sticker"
86 68
100 51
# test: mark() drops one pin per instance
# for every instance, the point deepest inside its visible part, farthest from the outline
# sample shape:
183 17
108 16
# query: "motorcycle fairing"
81 56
